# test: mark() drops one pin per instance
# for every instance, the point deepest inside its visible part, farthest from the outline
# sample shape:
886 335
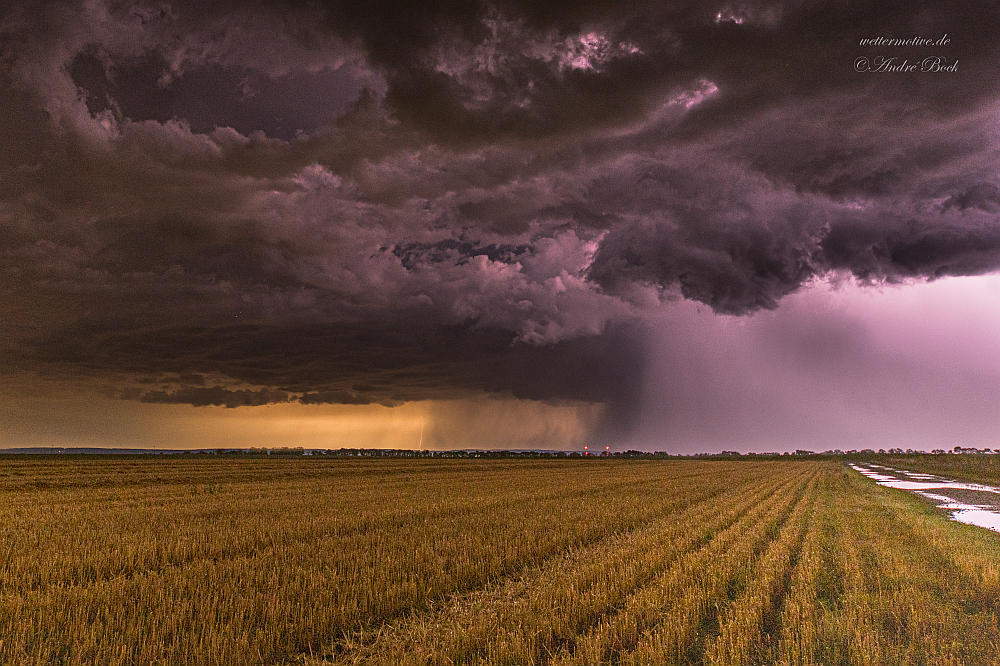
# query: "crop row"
248 572
544 611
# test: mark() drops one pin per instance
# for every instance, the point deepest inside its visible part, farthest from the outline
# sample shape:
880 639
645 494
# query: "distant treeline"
865 454
504 454
463 453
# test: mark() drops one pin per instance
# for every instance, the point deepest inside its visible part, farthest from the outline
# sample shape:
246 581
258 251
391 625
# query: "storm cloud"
244 204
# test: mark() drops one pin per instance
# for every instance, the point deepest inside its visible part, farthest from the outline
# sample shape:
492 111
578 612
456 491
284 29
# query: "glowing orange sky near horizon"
79 420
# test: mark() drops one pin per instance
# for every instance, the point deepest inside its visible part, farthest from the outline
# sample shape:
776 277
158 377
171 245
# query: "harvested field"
208 560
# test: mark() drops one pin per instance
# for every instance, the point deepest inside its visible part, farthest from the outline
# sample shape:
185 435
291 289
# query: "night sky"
681 226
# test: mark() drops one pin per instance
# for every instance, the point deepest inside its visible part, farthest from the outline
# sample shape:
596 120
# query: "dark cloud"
480 71
339 398
984 196
337 203
245 99
215 395
450 249
736 261
896 247
353 363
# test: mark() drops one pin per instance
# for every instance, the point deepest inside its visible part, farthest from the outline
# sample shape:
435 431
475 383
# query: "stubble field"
215 560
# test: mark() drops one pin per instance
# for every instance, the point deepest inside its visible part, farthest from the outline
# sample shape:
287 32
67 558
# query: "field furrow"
533 616
807 636
748 625
679 618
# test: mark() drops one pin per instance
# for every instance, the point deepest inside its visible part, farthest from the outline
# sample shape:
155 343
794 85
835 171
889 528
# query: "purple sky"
680 226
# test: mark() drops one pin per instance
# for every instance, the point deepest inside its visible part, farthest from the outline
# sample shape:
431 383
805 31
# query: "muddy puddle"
970 503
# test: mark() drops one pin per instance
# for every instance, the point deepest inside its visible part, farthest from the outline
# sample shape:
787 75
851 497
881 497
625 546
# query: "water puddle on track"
970 503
